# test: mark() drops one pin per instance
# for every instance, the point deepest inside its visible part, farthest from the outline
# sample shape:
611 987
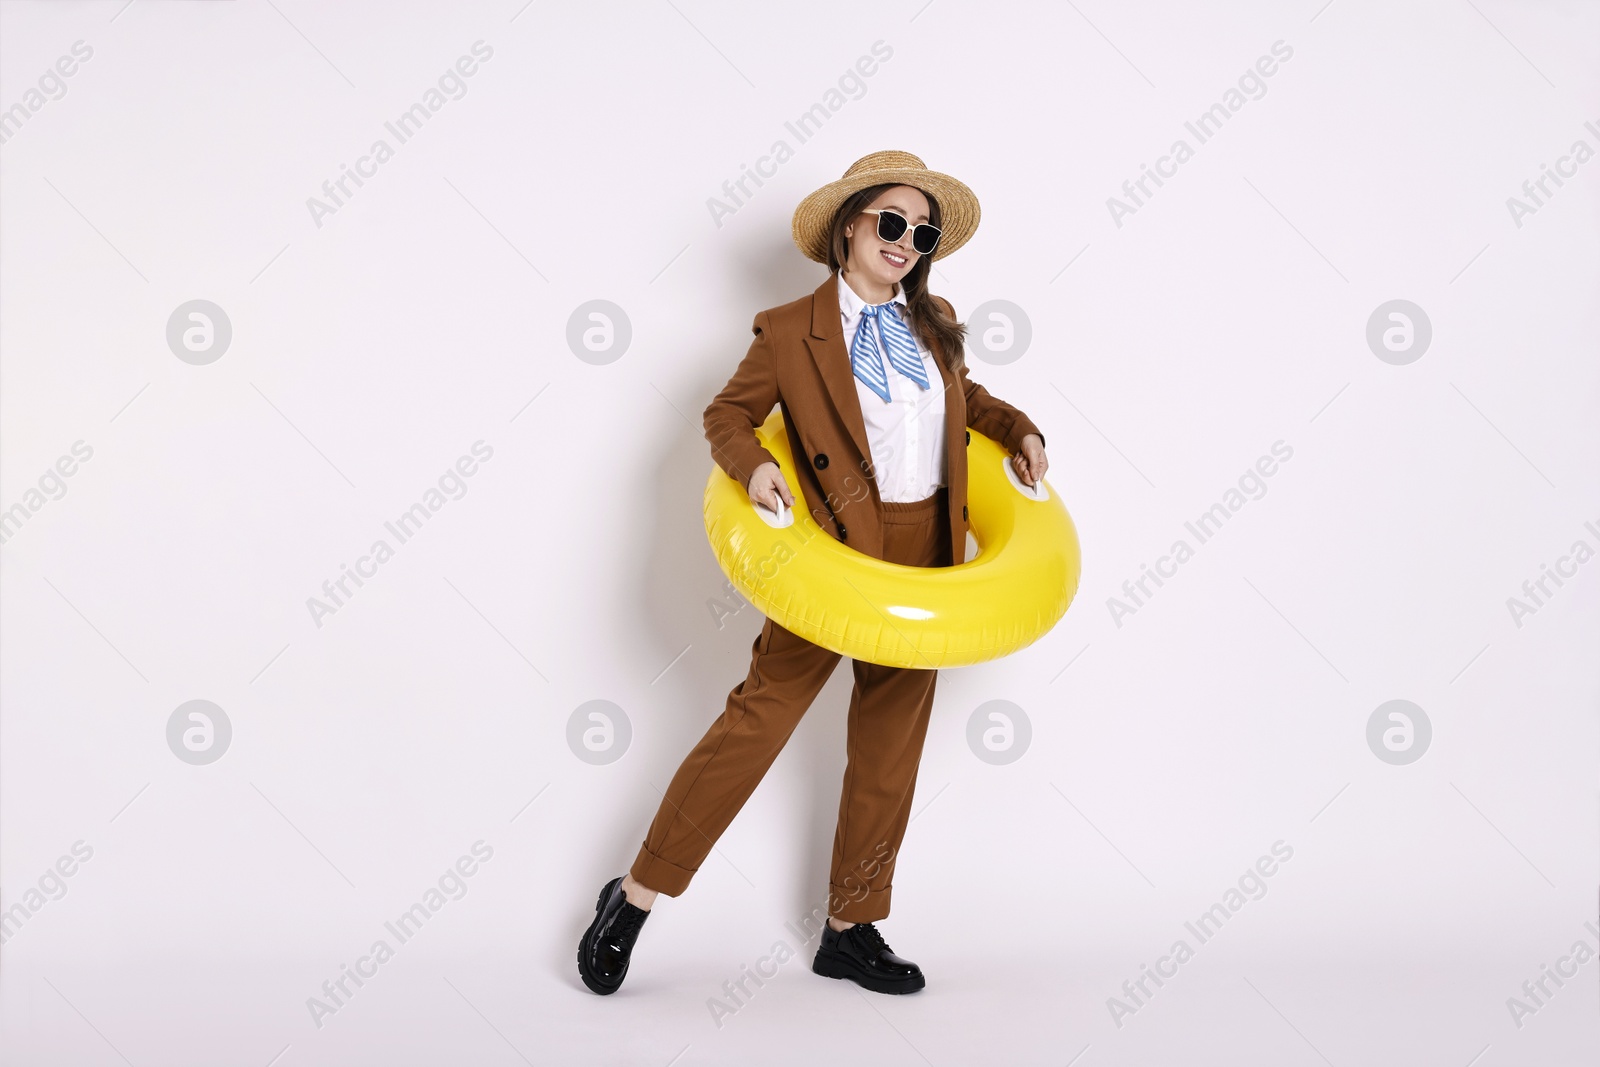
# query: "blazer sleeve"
988 414
744 403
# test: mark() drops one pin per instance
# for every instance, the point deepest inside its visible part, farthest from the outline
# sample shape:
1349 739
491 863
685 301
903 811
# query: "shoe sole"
595 984
834 967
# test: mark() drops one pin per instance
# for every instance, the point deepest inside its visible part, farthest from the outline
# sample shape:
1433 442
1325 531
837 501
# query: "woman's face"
872 257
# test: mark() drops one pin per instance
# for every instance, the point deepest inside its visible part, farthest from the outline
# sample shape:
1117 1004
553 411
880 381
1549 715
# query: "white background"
1168 353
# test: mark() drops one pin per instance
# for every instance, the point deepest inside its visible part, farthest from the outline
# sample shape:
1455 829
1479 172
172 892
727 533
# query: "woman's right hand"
767 486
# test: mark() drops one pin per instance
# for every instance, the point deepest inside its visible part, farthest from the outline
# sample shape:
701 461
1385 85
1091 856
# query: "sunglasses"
892 225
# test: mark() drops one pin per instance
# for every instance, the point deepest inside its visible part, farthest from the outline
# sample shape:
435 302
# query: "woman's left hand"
1030 462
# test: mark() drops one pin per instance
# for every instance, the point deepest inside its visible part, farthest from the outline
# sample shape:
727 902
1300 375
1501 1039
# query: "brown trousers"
889 711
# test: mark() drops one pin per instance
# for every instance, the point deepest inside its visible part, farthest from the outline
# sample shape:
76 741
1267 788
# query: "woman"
869 372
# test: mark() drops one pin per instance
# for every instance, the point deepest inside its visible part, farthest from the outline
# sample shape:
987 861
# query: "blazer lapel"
827 349
955 451
955 414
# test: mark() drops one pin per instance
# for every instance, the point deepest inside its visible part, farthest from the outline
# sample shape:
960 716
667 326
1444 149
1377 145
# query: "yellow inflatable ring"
1008 596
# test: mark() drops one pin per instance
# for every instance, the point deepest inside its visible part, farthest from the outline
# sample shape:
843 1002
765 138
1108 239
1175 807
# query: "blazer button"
969 437
843 533
963 511
821 461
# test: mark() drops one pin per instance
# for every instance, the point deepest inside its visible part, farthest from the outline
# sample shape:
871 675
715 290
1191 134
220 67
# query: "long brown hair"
928 320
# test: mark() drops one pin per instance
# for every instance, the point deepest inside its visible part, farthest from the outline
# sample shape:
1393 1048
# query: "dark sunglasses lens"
890 226
924 239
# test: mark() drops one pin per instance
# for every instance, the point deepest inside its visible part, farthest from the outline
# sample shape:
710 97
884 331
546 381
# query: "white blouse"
906 434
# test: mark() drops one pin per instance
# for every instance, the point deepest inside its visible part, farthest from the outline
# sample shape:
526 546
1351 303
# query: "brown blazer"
798 361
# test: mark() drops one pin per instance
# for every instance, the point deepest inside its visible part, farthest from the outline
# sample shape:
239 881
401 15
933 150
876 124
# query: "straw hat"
958 207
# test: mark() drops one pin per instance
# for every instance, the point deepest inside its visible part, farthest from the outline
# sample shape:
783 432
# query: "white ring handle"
779 519
1037 491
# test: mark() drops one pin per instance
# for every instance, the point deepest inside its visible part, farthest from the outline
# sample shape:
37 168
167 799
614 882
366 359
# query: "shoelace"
872 937
626 926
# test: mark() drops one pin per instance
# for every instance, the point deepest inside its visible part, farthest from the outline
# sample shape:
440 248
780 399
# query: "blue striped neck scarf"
894 337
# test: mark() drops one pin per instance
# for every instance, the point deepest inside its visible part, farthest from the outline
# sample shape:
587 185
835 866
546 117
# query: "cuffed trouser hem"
849 906
653 872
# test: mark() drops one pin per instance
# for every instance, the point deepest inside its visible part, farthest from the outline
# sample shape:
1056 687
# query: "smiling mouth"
894 260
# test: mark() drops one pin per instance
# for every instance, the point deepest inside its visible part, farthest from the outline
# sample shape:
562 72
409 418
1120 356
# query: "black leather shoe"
861 955
605 947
